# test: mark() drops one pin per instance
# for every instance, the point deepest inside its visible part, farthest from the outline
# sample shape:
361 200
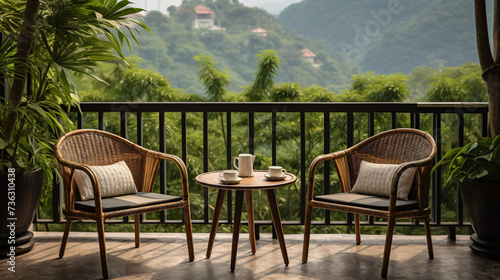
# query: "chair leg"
307 233
137 227
387 248
189 230
102 248
429 239
65 237
357 229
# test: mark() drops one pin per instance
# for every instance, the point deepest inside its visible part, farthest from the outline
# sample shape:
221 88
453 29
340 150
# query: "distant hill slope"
174 42
390 36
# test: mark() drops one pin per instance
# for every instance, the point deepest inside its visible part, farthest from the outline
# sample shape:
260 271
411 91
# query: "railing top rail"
416 107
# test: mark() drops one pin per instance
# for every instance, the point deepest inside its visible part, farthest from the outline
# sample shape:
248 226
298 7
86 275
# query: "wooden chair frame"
347 163
95 147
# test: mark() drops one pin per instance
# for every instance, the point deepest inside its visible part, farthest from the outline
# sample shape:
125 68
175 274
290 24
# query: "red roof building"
308 55
260 31
204 17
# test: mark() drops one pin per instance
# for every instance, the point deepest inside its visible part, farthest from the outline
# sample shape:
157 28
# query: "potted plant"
477 166
44 43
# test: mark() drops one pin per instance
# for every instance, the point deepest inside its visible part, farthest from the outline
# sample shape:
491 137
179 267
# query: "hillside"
389 36
174 42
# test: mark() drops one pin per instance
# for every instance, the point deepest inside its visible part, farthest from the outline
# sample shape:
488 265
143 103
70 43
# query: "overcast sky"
162 5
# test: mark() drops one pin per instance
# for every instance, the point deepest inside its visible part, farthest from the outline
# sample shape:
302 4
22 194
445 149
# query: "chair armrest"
403 167
180 165
397 176
93 179
314 165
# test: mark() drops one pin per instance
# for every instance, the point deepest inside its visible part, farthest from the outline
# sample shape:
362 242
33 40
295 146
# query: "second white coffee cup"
276 171
228 175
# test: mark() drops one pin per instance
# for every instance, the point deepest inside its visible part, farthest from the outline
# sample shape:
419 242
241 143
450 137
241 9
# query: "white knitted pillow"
375 179
115 179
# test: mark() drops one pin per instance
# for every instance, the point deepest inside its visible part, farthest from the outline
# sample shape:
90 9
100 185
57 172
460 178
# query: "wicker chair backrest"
94 148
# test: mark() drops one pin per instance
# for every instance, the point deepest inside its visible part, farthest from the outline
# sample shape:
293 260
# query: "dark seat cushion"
127 201
367 201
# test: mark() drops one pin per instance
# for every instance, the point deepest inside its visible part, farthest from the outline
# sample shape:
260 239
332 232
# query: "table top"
257 182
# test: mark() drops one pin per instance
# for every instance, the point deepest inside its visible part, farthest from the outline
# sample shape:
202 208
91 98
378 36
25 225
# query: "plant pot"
14 228
482 200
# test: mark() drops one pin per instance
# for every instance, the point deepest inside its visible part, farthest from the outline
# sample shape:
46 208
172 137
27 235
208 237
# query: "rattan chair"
80 149
407 147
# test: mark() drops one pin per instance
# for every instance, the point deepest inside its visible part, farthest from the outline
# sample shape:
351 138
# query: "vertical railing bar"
163 163
350 143
140 142
273 138
140 127
350 129
460 207
303 175
102 125
417 120
415 123
371 124
124 134
484 124
371 132
184 140
394 120
326 165
123 125
251 132
229 158
229 164
79 120
183 137
436 186
206 208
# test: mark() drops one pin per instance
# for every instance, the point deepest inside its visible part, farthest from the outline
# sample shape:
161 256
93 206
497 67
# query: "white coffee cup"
228 175
276 171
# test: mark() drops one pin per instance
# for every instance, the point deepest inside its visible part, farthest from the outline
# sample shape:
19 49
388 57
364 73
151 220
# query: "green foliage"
213 80
70 37
264 78
380 88
286 92
479 160
445 88
455 84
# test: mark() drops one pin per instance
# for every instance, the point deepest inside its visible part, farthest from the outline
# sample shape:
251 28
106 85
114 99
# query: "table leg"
273 204
238 205
215 220
251 224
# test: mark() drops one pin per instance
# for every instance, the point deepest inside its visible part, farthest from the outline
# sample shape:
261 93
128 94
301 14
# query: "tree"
264 81
490 64
213 80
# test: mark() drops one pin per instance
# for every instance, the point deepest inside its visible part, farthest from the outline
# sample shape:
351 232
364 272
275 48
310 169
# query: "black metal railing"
356 115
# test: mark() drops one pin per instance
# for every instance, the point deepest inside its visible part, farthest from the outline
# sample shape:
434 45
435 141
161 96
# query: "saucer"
279 178
222 180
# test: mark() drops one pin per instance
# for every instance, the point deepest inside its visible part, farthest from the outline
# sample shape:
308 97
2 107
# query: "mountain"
389 36
233 46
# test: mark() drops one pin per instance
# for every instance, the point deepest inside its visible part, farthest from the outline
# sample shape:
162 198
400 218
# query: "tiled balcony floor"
334 256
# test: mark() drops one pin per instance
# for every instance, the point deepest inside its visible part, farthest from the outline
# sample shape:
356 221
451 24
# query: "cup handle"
234 163
221 175
283 171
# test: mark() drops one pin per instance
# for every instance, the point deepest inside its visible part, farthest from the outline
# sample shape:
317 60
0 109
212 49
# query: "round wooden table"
245 187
